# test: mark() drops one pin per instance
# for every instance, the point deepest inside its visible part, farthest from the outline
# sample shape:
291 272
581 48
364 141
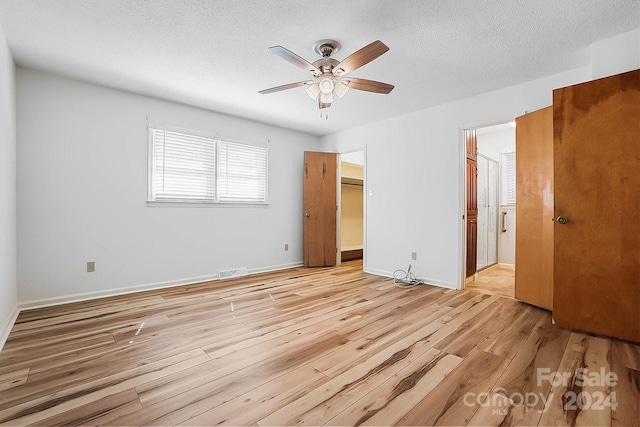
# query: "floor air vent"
227 274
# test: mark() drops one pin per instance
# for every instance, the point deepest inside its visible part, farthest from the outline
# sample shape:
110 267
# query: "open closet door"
597 206
534 208
320 209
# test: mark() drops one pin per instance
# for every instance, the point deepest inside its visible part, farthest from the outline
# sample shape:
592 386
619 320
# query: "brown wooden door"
472 246
597 188
472 202
320 206
534 208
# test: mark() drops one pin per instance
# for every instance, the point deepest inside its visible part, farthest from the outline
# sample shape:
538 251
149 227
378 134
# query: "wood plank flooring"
494 280
330 346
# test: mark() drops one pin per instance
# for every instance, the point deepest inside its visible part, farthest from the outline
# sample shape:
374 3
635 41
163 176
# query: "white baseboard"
427 281
440 283
378 272
48 302
86 296
275 267
507 266
6 327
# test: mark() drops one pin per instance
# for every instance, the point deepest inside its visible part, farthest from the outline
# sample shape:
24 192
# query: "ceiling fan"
329 74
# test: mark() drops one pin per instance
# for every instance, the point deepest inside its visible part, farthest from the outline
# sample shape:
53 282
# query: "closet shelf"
352 181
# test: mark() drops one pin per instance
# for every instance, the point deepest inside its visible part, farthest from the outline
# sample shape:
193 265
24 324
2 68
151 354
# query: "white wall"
492 144
8 289
82 190
616 54
355 157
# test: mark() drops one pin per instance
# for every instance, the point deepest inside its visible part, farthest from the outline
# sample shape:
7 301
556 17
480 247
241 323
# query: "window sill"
196 204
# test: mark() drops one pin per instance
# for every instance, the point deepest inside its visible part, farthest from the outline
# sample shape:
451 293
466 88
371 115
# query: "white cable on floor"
406 279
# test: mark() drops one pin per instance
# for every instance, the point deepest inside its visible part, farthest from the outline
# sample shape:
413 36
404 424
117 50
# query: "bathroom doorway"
496 220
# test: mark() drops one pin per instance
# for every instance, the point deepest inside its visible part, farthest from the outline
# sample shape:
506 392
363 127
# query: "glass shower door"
488 210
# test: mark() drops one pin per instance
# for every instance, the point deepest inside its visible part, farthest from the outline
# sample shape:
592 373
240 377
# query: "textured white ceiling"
213 54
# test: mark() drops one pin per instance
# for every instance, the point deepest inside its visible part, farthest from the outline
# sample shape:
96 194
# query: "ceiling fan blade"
287 55
361 57
283 87
368 85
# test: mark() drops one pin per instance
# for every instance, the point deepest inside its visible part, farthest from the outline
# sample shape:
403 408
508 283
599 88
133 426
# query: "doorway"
496 215
352 206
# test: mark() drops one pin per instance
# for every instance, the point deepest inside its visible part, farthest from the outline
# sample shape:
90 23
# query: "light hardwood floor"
494 280
308 346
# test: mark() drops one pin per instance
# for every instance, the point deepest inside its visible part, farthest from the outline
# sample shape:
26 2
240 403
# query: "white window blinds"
184 166
242 173
510 178
192 168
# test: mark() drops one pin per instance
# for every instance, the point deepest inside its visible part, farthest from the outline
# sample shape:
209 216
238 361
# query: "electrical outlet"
91 266
286 247
414 256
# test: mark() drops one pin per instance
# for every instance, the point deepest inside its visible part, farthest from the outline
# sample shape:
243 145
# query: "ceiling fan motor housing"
326 65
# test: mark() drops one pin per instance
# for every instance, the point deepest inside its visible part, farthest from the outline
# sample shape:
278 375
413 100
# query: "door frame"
462 196
362 148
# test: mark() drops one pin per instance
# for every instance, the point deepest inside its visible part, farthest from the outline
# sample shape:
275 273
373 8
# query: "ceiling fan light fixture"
313 91
326 98
326 85
340 89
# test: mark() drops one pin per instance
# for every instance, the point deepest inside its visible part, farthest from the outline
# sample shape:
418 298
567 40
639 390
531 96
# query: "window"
190 168
183 167
509 192
242 173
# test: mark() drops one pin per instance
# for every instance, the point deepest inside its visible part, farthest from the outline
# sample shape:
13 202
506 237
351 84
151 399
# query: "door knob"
563 219
307 214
